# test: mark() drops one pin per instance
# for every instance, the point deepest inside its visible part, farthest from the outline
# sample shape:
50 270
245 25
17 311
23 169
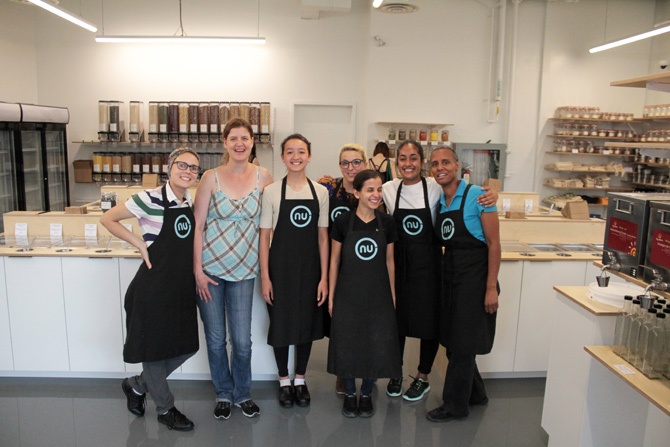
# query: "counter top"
550 256
579 295
655 391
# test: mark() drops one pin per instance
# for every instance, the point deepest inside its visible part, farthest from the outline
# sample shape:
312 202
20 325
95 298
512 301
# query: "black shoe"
222 410
483 401
302 397
249 408
365 409
349 408
286 396
442 414
135 402
394 388
175 420
416 390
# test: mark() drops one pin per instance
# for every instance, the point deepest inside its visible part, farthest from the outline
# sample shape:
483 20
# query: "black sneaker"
349 409
222 410
416 390
175 420
394 388
442 414
249 408
135 402
365 409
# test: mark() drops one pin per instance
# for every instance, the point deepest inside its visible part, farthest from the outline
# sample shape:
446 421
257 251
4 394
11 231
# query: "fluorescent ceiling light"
377 3
60 12
631 39
179 39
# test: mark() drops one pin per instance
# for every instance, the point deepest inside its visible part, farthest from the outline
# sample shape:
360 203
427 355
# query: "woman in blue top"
470 236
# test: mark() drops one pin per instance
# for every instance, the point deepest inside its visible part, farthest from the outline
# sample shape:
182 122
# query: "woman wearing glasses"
341 200
227 217
161 317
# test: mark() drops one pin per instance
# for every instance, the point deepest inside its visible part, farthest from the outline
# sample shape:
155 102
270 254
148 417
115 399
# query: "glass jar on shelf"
224 114
244 111
214 116
585 130
255 116
412 134
594 130
265 118
234 110
402 135
391 135
103 116
445 136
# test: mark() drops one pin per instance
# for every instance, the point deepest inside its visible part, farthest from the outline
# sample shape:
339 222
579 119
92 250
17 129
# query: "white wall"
18 75
433 68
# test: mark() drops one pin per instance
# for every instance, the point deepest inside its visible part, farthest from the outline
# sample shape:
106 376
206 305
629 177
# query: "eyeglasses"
182 166
357 163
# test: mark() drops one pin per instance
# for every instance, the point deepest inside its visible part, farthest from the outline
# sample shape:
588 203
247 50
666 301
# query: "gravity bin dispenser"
481 161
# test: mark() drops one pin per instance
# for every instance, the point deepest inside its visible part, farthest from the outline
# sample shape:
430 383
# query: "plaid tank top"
230 239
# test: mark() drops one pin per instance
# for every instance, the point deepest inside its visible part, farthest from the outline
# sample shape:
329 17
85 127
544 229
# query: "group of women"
373 282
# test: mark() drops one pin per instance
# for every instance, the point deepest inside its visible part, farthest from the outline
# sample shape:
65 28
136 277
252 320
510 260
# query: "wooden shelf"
556 207
591 154
587 137
597 120
156 144
653 145
398 123
658 165
652 82
423 143
588 189
580 171
648 185
653 118
655 391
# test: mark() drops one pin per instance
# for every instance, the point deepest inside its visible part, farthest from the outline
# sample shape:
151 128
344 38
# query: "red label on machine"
622 236
660 248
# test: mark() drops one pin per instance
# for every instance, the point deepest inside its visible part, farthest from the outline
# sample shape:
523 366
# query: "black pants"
462 384
427 352
302 353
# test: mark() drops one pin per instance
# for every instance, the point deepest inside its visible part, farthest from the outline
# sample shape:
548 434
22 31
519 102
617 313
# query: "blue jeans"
231 302
350 386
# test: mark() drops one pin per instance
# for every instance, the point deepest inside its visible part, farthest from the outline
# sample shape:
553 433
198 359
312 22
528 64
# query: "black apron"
336 206
295 271
417 270
465 326
364 337
161 315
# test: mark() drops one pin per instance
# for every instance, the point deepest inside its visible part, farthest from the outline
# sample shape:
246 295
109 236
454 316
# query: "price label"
528 208
91 231
507 205
21 230
56 232
623 369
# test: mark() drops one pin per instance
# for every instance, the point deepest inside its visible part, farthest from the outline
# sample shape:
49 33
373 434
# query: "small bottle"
654 349
648 321
621 319
628 329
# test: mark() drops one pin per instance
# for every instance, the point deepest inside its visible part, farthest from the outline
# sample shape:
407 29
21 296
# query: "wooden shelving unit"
658 81
593 154
652 145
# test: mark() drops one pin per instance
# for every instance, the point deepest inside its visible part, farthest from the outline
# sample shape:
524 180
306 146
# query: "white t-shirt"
412 196
272 199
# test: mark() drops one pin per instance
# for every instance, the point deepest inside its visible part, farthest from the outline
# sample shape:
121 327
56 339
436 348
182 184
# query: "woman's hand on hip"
144 251
202 282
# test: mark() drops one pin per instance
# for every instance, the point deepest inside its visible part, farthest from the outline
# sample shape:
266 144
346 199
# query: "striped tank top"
230 239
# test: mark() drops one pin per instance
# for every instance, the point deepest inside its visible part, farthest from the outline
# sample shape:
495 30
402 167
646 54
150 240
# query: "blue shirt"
471 211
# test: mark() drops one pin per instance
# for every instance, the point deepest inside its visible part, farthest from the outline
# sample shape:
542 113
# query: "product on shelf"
255 116
103 116
135 109
153 121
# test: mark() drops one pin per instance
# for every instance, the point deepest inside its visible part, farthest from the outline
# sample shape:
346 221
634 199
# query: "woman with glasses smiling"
341 200
161 317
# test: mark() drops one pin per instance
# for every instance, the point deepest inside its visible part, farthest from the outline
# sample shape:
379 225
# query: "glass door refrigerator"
33 158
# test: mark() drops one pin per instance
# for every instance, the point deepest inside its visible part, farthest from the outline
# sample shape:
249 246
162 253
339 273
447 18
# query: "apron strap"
283 188
465 195
166 204
425 194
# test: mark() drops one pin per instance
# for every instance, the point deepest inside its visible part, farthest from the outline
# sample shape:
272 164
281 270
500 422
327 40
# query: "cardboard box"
149 181
515 215
576 210
83 171
76 210
493 183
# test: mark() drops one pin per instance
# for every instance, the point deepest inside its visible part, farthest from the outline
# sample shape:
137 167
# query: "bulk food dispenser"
626 230
657 253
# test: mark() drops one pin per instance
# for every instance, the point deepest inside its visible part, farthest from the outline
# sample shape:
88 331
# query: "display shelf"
556 207
587 137
653 145
595 188
423 143
658 81
591 154
645 163
404 123
651 119
655 391
156 144
648 185
594 120
580 171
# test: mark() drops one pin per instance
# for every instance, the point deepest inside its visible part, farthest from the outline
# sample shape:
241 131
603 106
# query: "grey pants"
154 381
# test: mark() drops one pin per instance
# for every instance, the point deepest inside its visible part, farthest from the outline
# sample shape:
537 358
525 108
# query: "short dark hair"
439 148
415 144
297 136
234 123
364 176
381 148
